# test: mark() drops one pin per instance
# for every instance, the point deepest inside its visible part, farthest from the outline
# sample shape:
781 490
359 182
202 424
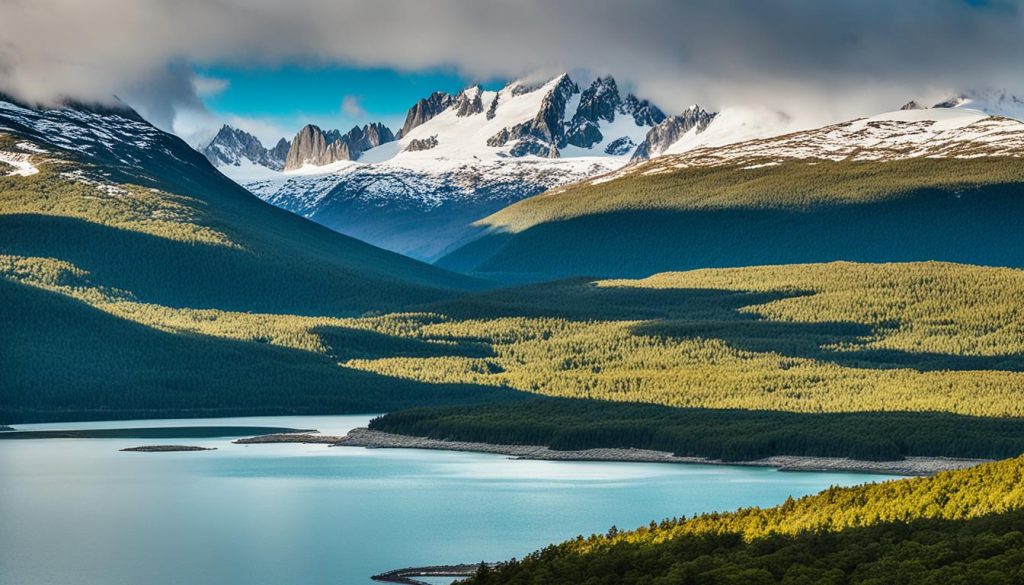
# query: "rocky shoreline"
408 575
363 437
304 437
167 448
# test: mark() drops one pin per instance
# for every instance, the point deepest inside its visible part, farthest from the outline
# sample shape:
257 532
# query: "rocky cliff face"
598 102
644 112
280 151
553 129
232 146
671 129
601 102
419 144
313 146
469 102
424 110
542 135
492 110
309 146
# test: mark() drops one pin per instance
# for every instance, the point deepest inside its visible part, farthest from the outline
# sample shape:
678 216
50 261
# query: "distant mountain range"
943 183
460 157
456 159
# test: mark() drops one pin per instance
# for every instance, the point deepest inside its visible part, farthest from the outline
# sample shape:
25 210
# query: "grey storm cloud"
830 52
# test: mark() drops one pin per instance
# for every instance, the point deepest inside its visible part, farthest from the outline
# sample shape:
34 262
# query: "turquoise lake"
79 511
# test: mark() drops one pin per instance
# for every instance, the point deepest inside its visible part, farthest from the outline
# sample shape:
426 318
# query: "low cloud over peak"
825 57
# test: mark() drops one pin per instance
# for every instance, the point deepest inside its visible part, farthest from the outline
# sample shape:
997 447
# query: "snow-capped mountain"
914 184
696 129
314 147
456 159
671 130
234 147
994 102
115 138
944 131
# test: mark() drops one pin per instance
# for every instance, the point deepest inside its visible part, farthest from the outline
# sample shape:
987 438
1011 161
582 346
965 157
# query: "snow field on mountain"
22 166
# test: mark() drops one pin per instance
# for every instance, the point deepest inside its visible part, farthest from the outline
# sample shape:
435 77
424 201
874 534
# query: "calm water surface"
78 511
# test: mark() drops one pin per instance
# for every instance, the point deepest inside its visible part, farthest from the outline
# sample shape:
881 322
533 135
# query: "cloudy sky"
270 66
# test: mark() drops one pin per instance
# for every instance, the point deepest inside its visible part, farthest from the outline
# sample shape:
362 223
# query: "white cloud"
198 127
206 86
806 56
352 107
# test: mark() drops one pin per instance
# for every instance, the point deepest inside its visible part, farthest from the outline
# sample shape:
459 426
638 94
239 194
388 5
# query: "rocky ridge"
313 146
232 146
671 129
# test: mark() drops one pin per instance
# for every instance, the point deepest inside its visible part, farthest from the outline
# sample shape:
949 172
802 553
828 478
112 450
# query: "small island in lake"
168 448
312 437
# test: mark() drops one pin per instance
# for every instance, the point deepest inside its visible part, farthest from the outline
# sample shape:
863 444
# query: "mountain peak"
234 147
994 102
313 146
671 129
600 101
469 102
424 110
544 133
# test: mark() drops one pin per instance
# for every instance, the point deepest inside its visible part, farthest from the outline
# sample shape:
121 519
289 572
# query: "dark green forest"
904 211
729 435
65 360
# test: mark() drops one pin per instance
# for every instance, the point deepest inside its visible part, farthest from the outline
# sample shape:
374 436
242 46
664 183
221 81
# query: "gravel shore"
313 437
363 437
168 448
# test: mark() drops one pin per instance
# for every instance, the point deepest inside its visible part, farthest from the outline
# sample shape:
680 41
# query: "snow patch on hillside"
23 167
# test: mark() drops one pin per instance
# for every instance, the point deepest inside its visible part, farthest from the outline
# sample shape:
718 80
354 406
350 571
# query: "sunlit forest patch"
956 527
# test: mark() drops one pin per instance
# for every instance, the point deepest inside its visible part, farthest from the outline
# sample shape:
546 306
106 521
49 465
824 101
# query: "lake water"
78 511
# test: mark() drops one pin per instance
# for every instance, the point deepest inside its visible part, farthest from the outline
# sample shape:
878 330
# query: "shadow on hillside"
199 275
568 424
582 300
65 360
810 340
975 227
713 314
347 343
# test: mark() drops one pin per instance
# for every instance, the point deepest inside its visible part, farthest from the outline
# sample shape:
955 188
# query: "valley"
611 286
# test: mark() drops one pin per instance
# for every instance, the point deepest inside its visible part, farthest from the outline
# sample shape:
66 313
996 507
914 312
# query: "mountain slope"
910 185
118 242
111 177
459 158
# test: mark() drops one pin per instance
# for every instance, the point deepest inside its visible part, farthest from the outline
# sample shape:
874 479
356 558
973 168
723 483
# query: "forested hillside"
887 342
960 527
111 230
657 218
804 338
718 434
